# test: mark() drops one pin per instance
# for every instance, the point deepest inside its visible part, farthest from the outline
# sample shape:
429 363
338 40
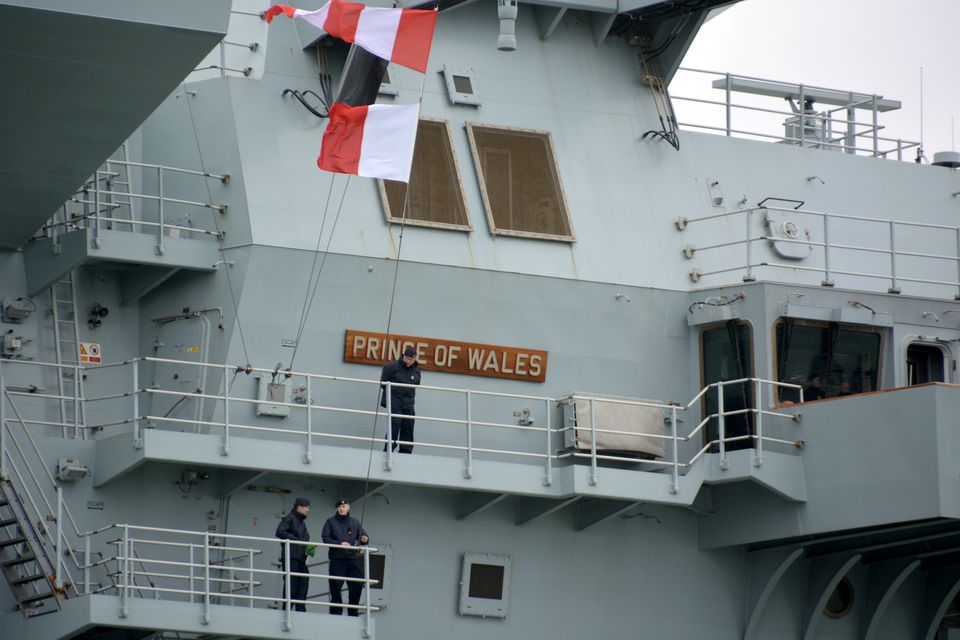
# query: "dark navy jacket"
398 372
293 527
339 529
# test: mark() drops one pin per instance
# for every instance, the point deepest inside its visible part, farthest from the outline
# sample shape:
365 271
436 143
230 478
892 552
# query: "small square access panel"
462 86
485 585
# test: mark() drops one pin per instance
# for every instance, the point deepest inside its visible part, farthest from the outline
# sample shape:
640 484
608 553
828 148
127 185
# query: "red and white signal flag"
374 141
402 36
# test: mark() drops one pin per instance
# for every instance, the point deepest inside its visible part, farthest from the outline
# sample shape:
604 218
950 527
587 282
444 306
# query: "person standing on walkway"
293 527
343 530
406 370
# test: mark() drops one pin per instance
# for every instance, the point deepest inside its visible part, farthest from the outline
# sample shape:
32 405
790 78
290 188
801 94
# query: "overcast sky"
868 46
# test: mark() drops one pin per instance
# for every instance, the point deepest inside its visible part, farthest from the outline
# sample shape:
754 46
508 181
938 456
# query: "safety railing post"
675 472
97 241
850 141
802 117
58 541
876 127
722 427
899 149
548 422
729 114
827 280
308 452
250 571
468 472
225 446
4 474
205 618
388 465
192 573
367 622
160 209
758 402
593 443
286 579
76 399
137 439
86 564
124 573
957 295
748 276
894 287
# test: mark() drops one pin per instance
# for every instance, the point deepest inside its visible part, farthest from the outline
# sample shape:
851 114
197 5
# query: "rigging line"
216 225
393 295
316 253
326 252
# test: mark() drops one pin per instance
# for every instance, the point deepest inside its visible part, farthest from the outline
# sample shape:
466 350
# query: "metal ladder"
66 334
23 558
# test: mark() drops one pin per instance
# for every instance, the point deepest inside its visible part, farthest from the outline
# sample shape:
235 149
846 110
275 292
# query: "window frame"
449 226
554 169
825 324
484 607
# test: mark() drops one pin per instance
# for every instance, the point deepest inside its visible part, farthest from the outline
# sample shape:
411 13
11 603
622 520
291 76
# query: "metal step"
37 597
18 560
7 523
25 579
12 541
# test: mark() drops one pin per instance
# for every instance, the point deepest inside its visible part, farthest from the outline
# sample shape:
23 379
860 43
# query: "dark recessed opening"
386 77
462 84
840 601
924 364
378 564
486 581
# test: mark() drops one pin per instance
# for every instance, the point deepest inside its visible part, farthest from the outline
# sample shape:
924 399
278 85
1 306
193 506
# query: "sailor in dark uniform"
406 370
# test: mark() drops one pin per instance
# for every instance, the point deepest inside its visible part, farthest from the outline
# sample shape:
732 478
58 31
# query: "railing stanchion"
876 127
205 618
802 118
894 287
192 573
722 427
286 579
957 295
758 403
827 281
4 474
729 115
250 570
225 447
748 276
548 421
97 241
387 390
58 542
76 398
86 564
160 206
308 453
367 622
593 444
137 439
675 480
468 472
124 573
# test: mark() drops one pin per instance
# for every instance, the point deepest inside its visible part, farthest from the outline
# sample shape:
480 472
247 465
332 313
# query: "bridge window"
519 182
828 359
435 192
728 355
924 363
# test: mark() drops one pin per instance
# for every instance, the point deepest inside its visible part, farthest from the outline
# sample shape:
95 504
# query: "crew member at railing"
293 527
406 370
344 530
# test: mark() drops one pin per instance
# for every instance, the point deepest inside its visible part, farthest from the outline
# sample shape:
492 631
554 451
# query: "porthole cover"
840 601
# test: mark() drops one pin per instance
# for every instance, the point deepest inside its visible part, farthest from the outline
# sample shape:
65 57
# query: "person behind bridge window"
813 390
406 370
293 527
343 530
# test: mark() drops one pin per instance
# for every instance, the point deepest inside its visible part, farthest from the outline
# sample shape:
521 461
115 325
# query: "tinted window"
727 355
828 360
486 581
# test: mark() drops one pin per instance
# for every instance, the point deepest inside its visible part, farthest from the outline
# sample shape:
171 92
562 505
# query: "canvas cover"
635 419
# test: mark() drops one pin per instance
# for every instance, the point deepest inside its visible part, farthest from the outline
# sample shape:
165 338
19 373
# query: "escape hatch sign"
450 356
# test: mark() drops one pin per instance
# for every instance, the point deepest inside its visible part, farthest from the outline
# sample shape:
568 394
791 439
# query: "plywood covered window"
520 183
435 193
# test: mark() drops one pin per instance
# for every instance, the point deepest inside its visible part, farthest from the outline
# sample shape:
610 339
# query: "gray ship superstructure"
683 376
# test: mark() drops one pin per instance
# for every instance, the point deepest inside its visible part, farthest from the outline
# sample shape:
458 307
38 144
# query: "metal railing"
467 423
205 567
100 204
805 128
830 250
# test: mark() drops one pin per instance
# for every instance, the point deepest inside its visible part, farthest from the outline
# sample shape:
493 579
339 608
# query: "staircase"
23 559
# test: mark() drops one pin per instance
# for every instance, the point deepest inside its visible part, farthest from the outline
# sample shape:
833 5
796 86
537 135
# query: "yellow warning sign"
90 352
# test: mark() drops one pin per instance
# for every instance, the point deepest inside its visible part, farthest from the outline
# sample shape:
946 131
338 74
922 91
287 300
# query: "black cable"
299 96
